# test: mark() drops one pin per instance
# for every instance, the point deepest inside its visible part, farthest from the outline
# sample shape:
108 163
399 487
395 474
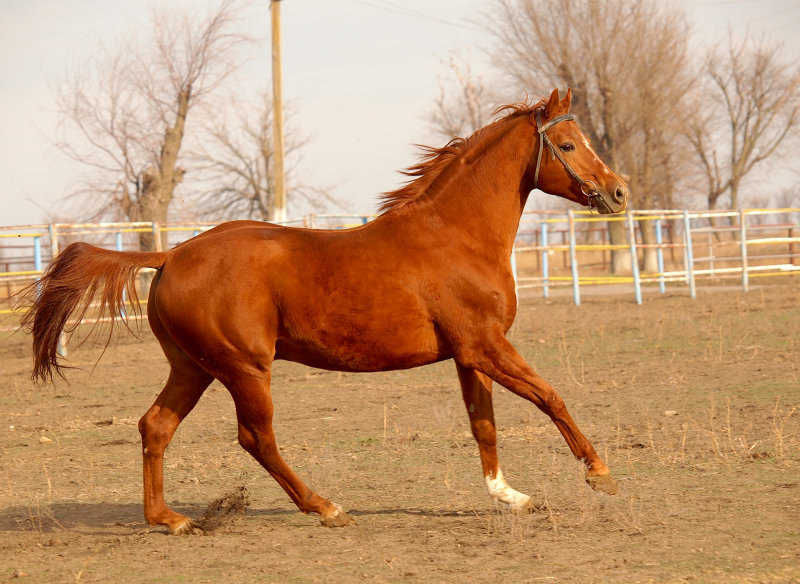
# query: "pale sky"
361 75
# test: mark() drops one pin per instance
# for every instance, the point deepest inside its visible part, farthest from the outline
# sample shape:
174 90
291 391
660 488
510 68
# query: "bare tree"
124 111
462 106
237 161
757 97
627 64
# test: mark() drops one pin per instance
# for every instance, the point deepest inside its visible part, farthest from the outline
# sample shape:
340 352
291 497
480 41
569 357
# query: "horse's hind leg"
254 410
185 385
476 388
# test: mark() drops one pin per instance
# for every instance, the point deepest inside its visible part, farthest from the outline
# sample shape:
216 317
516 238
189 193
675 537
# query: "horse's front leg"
476 388
498 359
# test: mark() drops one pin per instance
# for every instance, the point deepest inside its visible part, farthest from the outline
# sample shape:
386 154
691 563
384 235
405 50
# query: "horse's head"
566 164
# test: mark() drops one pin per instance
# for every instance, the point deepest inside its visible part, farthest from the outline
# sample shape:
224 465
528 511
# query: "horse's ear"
565 103
552 106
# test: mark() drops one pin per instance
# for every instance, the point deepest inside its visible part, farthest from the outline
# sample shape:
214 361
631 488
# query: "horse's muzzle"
615 201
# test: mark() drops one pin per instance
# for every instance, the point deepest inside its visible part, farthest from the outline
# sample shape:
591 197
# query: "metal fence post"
688 254
62 340
53 241
119 247
37 253
573 260
157 237
660 257
37 262
637 285
545 262
743 243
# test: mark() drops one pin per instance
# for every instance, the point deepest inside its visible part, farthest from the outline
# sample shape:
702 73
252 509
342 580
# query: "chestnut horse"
429 279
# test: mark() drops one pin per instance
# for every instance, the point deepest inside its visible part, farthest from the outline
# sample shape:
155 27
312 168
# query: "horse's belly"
351 351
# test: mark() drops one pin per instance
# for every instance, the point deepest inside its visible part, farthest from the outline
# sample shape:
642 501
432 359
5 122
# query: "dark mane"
434 161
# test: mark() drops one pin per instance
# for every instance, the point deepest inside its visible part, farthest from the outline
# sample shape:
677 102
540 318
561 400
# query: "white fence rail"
675 247
664 249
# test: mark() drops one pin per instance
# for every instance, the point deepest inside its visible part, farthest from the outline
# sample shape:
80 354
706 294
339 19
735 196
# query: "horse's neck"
485 193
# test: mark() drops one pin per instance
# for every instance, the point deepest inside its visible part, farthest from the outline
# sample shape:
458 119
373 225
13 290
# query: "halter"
588 187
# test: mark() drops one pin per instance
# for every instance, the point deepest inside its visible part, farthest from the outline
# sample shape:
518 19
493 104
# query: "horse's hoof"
188 527
527 507
604 483
338 518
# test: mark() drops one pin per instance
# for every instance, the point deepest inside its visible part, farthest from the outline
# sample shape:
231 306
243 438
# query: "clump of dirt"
219 510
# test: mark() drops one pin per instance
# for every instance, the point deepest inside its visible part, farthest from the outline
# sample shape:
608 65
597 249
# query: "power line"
723 2
784 26
749 21
773 15
387 6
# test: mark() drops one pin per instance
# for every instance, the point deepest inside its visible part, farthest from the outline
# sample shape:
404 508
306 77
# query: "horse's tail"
69 285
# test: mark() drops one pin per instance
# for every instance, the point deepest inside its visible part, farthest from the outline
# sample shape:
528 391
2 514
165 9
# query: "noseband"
588 187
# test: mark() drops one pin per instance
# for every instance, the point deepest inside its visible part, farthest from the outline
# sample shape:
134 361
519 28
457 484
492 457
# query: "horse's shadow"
116 518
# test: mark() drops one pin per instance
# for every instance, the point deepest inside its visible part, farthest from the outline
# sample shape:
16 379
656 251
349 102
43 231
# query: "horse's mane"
434 161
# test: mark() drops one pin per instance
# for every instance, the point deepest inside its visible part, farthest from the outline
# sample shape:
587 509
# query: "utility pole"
279 200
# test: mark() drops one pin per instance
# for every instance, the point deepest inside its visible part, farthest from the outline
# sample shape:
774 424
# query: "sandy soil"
693 403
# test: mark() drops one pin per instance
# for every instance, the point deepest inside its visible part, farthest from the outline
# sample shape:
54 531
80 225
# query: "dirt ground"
693 404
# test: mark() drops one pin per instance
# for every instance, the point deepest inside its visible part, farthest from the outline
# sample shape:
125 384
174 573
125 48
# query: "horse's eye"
568 147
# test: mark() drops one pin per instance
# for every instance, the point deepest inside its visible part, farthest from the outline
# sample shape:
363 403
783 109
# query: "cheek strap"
588 187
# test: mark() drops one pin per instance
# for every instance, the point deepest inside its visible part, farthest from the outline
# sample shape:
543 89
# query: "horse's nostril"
620 194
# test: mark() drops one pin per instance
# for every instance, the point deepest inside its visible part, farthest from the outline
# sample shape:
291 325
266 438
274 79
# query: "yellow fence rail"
658 248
